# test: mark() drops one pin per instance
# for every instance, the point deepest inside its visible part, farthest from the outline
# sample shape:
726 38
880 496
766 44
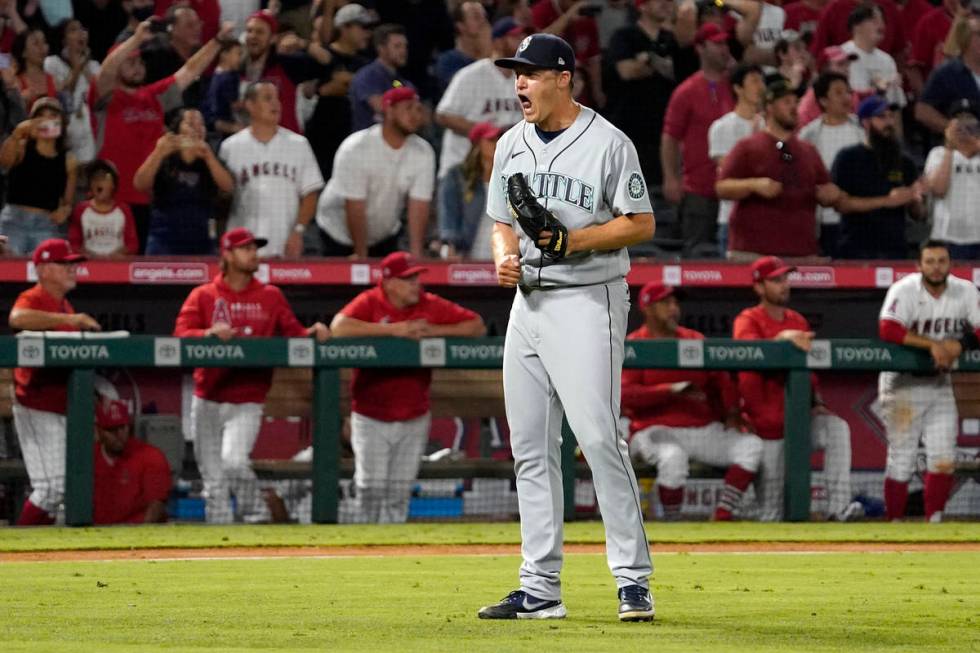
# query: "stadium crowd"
355 129
819 129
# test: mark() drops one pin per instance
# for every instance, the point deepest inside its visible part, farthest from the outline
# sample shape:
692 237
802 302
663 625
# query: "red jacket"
763 393
648 396
259 311
397 395
126 486
35 387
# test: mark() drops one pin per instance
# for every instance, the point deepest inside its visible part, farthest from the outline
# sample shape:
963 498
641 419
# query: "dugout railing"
83 355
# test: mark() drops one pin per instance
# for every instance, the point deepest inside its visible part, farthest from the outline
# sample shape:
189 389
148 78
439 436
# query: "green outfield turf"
762 603
196 536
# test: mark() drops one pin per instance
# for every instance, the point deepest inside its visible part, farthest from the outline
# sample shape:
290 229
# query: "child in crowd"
102 226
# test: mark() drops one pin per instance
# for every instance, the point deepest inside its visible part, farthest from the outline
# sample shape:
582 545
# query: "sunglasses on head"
784 152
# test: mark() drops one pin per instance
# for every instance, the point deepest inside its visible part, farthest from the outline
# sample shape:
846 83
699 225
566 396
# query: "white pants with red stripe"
42 437
919 410
224 435
827 432
387 456
670 448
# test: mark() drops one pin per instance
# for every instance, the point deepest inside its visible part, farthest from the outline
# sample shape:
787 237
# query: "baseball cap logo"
561 62
523 46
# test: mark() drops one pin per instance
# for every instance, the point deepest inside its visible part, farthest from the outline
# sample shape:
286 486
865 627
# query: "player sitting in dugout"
132 478
677 415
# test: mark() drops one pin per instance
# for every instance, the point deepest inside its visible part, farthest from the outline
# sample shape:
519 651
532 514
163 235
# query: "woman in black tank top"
41 178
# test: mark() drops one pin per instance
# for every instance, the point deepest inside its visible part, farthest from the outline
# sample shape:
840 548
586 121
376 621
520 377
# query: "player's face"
539 91
244 259
265 108
59 276
934 265
113 439
404 291
258 37
665 314
775 290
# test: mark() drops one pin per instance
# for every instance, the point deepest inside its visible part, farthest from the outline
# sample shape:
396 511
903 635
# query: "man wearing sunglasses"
776 181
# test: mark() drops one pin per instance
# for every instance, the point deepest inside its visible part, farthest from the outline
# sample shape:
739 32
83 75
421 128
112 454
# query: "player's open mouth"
525 102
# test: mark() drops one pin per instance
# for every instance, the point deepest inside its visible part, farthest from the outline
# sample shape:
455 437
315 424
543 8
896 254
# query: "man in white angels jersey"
940 313
480 92
277 178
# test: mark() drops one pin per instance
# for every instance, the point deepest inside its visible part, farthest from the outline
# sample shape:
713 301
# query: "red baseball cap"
110 413
267 18
483 130
239 237
710 32
833 54
398 94
55 250
654 292
399 265
768 267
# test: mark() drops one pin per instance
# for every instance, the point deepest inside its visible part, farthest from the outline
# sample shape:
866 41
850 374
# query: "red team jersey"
389 395
762 393
39 388
128 125
258 311
126 486
648 398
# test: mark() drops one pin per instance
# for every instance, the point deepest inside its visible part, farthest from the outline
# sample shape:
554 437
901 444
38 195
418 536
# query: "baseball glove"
534 218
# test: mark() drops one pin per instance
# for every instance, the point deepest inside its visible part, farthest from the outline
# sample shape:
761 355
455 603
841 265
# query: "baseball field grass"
326 600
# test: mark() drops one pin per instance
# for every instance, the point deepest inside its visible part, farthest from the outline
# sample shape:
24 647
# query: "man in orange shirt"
676 415
41 395
763 398
132 478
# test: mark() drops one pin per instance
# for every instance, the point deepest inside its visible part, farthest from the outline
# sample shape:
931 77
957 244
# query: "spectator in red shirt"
700 100
128 116
928 40
390 408
132 478
834 30
763 398
226 411
677 415
41 395
101 226
777 181
11 24
566 19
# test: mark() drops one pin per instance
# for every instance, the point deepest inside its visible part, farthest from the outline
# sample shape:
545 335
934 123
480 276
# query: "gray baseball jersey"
563 353
587 176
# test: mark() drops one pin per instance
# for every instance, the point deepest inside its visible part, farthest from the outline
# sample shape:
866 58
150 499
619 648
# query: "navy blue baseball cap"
542 51
873 106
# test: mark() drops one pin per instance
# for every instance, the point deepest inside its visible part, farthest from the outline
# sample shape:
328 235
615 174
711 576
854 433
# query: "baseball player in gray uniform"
567 197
